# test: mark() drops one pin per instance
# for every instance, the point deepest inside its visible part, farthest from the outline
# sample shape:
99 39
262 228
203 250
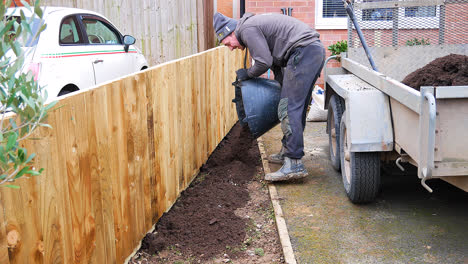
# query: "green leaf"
21 155
42 28
38 11
26 4
49 106
45 125
7 27
30 158
22 172
11 186
33 173
3 159
11 141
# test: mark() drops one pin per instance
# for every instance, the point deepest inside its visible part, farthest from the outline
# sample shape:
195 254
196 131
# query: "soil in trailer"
451 70
225 216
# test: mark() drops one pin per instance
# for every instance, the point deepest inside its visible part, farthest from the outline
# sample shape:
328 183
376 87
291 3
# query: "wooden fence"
117 158
165 29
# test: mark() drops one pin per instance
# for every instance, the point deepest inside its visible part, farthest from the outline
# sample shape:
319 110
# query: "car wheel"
335 112
360 170
68 89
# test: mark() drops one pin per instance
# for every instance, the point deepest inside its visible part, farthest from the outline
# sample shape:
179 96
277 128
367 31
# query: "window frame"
342 23
105 22
78 29
328 23
425 22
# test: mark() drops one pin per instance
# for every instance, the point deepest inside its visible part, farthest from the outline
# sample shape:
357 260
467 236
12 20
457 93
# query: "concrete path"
406 224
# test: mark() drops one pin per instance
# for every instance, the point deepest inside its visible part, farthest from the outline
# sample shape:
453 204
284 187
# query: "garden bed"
225 216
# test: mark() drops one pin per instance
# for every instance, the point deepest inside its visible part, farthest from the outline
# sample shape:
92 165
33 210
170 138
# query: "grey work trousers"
299 76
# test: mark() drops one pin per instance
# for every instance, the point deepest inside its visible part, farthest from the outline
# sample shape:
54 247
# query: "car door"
65 64
109 59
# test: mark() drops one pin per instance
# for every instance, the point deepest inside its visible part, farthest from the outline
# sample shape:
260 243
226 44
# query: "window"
330 14
100 32
68 32
418 17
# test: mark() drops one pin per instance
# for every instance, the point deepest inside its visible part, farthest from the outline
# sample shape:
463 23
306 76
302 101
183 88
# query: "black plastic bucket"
257 104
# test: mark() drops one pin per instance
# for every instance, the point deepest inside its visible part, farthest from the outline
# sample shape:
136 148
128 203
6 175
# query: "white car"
77 50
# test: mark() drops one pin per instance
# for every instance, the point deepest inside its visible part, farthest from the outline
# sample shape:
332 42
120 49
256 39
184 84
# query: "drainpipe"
235 10
242 8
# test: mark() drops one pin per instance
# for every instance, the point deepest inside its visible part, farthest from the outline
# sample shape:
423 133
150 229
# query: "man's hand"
242 74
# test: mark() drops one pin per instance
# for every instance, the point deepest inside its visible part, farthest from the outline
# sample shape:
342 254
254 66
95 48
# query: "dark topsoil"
451 70
203 223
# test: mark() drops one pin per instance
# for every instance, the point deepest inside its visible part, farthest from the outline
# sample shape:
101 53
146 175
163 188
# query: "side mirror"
128 40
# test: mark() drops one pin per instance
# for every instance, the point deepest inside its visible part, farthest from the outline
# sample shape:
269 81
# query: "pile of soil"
205 222
451 70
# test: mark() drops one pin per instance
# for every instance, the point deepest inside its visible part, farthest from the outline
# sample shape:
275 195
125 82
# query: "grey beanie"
223 25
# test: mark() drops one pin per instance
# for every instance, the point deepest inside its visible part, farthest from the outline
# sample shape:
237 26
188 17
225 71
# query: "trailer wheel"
335 112
360 171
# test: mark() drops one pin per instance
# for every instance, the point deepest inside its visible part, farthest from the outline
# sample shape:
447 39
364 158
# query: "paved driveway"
406 224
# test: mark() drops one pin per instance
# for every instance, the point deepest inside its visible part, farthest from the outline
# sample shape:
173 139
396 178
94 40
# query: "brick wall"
225 7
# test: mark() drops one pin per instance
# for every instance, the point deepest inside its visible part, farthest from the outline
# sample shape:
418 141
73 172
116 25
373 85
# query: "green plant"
248 241
22 101
416 42
338 48
259 252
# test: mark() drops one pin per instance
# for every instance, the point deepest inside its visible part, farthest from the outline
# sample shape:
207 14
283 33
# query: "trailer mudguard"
368 120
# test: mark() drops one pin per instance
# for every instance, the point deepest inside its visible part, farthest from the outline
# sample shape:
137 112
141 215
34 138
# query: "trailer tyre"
335 112
360 171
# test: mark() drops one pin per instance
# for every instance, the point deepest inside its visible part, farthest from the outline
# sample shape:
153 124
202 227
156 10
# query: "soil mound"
202 222
451 70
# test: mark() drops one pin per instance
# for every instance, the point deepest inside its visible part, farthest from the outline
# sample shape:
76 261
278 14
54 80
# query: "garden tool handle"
349 9
245 58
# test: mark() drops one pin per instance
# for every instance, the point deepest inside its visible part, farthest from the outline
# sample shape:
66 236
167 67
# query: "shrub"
22 101
416 42
338 48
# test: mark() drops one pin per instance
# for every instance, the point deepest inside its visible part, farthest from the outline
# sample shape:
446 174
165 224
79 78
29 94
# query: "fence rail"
116 159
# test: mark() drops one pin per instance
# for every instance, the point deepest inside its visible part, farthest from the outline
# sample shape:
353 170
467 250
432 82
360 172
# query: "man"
295 54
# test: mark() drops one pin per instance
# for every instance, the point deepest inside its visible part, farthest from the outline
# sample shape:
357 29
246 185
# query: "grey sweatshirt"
270 39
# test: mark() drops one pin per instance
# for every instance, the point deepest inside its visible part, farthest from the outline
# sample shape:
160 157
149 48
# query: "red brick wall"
456 23
225 7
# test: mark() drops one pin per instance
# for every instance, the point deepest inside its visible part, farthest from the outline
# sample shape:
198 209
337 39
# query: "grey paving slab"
406 224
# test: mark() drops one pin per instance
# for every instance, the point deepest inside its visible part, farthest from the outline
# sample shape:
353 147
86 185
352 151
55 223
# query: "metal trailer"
373 117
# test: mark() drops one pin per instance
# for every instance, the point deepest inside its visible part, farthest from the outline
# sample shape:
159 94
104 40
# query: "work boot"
292 169
277 158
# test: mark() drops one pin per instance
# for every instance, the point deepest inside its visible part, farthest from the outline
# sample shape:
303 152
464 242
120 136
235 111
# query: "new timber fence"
117 158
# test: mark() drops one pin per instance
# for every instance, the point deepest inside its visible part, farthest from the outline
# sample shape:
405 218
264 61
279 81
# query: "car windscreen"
31 39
